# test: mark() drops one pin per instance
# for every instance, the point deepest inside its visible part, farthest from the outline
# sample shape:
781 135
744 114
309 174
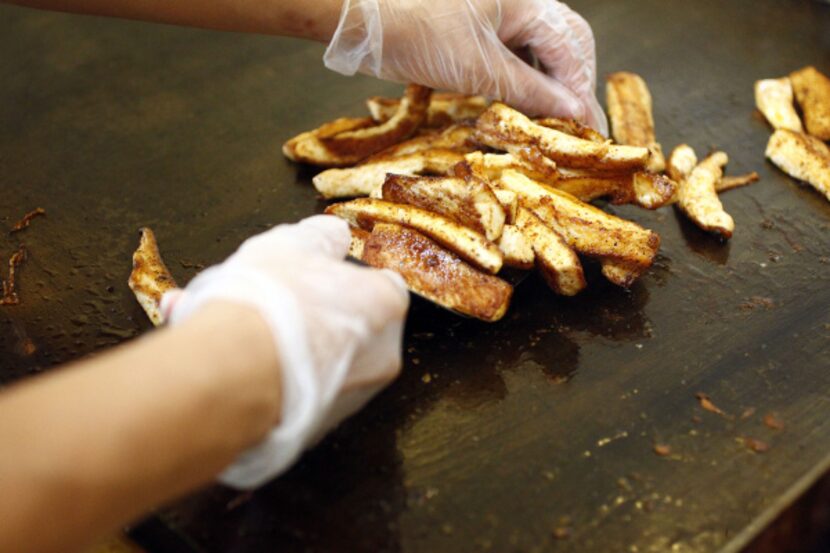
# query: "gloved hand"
471 46
337 329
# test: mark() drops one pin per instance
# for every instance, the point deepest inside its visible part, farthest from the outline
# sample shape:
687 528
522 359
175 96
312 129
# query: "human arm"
469 46
100 442
271 349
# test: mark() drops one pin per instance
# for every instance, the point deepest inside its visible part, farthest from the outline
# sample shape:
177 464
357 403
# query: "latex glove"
337 329
470 46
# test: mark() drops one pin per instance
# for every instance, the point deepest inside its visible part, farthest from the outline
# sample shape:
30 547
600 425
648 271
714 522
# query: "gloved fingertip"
334 231
398 280
168 302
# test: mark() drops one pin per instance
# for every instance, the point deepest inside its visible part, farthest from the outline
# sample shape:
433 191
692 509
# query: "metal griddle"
496 435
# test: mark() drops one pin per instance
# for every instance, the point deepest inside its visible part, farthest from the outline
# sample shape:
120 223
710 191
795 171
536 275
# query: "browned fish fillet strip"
363 179
150 278
572 127
729 182
490 167
348 141
648 190
457 138
774 98
699 200
435 273
557 262
803 157
501 125
812 90
682 162
468 201
630 111
585 228
445 108
516 248
467 243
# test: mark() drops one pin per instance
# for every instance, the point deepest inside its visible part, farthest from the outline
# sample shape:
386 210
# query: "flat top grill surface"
533 433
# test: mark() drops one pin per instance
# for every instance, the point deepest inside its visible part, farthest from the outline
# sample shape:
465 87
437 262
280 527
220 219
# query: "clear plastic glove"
474 47
337 329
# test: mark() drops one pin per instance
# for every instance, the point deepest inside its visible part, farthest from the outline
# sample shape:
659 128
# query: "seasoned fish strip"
630 111
803 157
307 148
467 243
445 108
812 90
621 273
682 162
509 201
468 201
729 182
699 200
557 262
436 273
491 166
362 179
585 228
348 141
358 242
572 127
648 190
457 138
150 278
501 125
516 248
774 98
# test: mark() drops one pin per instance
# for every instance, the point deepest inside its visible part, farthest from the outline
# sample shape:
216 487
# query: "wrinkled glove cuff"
300 395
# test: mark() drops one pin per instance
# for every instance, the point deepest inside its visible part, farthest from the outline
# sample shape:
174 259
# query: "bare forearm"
312 19
97 444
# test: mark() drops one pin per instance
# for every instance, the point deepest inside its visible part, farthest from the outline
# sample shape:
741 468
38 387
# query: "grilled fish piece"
457 138
572 127
812 90
433 272
363 179
774 98
150 278
557 262
445 108
500 126
803 157
348 141
585 228
682 162
643 188
468 201
516 248
632 122
699 200
467 243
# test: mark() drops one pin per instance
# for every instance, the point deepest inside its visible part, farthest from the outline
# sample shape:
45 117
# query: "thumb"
321 234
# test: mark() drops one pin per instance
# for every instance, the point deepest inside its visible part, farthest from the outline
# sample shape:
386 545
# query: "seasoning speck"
662 450
772 421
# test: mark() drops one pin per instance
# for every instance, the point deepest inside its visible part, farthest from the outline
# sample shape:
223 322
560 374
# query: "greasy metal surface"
495 436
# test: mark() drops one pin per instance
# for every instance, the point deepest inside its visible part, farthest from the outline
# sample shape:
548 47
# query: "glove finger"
168 302
534 93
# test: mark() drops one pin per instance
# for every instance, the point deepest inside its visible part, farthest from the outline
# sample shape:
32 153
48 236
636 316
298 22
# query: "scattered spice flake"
239 500
191 265
10 296
757 301
706 403
748 412
427 378
771 420
755 445
24 222
696 419
662 450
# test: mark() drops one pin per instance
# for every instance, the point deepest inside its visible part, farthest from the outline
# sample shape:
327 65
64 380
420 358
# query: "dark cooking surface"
495 436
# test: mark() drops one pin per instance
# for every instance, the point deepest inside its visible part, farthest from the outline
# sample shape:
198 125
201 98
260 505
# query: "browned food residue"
771 420
662 450
10 296
562 532
757 301
748 412
27 219
706 403
755 445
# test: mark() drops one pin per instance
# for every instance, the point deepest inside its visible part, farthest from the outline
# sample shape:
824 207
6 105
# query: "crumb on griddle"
706 403
27 219
662 450
10 296
757 301
748 412
757 446
772 421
